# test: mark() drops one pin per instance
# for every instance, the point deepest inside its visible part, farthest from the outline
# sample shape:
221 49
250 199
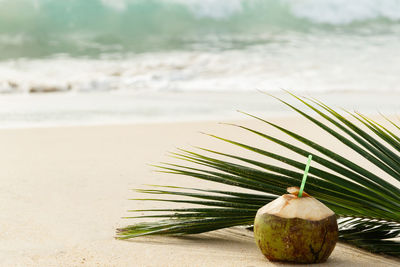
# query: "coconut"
296 229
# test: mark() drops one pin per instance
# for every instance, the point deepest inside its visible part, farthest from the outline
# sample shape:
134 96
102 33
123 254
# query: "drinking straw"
303 182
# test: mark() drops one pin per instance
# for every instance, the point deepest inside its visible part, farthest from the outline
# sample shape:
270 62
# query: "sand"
63 192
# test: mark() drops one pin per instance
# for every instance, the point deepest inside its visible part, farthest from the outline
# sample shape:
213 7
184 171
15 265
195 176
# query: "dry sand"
63 192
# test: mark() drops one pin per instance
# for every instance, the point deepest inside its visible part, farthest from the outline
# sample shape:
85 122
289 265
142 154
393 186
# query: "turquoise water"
42 28
199 45
107 61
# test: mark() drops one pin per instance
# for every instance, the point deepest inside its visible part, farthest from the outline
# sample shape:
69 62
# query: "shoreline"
115 108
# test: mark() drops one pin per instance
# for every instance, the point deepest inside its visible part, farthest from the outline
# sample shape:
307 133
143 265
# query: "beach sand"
63 191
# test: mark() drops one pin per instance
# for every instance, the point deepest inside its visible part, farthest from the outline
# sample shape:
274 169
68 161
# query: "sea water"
145 49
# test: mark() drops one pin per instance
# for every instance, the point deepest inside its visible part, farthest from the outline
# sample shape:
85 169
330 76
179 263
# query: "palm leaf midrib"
370 203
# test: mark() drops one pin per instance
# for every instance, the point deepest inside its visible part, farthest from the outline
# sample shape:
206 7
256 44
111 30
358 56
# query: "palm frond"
367 204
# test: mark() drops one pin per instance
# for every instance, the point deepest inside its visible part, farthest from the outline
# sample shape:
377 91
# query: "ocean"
101 53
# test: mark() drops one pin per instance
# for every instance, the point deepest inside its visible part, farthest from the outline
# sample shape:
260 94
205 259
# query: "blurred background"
81 62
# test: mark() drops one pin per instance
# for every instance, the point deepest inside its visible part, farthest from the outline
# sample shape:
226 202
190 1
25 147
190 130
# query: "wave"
337 12
37 28
342 64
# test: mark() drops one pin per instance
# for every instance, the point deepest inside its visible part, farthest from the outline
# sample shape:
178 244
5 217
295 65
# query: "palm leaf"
367 205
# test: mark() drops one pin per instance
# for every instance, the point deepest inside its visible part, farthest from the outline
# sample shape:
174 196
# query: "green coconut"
296 229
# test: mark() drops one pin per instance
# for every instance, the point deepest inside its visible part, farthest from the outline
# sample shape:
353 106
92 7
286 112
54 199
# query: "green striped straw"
303 182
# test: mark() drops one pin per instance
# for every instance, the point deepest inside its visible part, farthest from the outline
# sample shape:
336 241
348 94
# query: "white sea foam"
211 8
119 5
328 11
223 49
344 11
311 63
